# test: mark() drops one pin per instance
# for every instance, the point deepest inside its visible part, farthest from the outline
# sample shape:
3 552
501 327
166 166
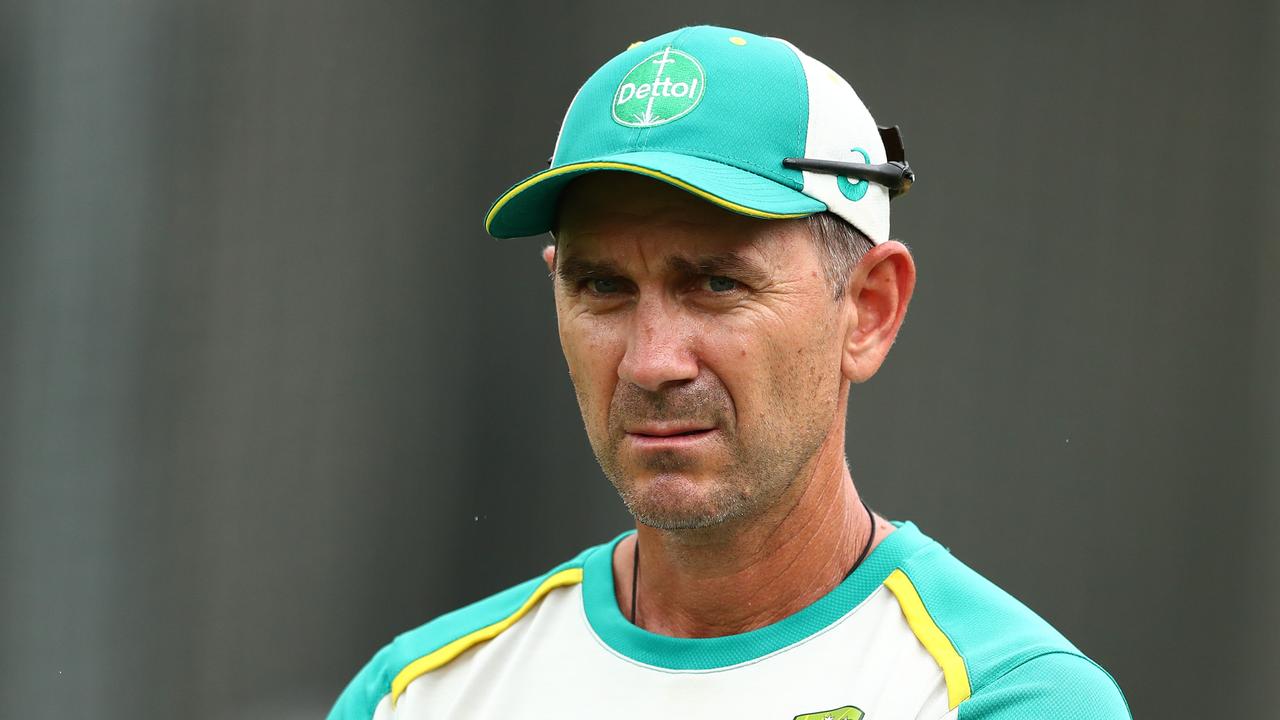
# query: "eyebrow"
572 270
729 263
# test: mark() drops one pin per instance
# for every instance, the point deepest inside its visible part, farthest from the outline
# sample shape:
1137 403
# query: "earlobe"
879 291
549 257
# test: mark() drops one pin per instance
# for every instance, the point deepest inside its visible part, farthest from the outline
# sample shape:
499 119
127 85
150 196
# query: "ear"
549 257
879 291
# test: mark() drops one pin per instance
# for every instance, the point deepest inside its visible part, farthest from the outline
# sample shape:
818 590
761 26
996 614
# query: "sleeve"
1056 686
367 696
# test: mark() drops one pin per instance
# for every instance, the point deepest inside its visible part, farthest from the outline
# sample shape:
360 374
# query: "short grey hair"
840 246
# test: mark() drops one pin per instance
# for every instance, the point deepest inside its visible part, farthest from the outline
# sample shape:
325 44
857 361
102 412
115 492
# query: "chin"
678 501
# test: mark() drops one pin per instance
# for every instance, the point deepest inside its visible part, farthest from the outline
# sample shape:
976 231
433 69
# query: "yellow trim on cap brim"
657 175
932 637
446 654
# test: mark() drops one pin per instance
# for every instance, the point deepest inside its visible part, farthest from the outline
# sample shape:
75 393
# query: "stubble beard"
658 489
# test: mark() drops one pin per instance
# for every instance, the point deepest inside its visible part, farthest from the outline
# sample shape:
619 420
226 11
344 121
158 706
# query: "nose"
659 348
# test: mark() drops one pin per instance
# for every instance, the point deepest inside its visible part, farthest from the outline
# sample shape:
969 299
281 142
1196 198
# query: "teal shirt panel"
1019 666
1048 687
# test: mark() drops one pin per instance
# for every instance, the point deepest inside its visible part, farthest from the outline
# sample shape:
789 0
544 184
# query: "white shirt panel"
551 664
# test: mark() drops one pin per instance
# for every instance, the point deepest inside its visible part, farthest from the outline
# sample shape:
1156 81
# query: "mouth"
668 436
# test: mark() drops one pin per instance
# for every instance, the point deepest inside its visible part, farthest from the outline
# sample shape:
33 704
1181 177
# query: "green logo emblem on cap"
848 712
854 189
664 86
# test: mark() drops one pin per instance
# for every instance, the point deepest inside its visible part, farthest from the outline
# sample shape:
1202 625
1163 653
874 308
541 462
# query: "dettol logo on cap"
662 87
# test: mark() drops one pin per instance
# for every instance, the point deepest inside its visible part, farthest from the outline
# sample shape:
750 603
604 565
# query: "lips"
671 429
670 437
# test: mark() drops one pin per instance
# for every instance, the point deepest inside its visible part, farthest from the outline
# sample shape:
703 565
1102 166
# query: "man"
722 274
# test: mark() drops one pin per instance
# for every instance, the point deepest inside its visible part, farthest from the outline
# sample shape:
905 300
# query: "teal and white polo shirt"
912 633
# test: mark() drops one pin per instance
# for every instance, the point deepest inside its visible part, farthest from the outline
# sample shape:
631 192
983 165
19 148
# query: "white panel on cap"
838 123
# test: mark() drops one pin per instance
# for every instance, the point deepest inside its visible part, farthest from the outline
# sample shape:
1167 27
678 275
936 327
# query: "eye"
602 286
721 284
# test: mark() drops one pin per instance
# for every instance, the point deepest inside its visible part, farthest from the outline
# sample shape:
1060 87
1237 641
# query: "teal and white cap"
749 123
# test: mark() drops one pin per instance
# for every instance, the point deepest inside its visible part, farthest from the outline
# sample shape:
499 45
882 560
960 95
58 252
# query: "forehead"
610 213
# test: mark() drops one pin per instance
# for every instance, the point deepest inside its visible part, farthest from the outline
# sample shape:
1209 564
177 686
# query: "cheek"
592 353
738 356
774 370
807 363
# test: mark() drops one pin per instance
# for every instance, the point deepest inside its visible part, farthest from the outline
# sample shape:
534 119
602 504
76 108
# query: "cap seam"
642 135
797 68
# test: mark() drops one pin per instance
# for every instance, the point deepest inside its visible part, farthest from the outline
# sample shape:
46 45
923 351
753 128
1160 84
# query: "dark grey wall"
268 394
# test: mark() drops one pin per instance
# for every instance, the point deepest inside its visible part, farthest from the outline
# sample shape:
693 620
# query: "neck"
754 572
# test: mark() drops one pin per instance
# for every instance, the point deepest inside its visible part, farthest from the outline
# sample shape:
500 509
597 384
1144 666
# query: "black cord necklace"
635 559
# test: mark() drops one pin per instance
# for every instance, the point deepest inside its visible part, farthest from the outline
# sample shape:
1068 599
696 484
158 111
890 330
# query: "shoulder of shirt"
439 641
1000 659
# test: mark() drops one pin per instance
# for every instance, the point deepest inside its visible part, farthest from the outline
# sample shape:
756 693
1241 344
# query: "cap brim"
529 207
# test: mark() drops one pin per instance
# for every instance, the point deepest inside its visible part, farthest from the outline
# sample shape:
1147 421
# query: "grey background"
269 395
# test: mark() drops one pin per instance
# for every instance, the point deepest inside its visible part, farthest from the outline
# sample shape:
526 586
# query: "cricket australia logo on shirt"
664 86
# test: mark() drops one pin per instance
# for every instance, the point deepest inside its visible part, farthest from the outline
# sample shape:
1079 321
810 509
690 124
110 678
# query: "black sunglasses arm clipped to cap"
896 175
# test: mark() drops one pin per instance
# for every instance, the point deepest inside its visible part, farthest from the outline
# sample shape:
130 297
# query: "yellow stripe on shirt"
446 654
932 637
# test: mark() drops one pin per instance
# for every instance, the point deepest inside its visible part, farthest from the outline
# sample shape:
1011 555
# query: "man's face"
704 348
